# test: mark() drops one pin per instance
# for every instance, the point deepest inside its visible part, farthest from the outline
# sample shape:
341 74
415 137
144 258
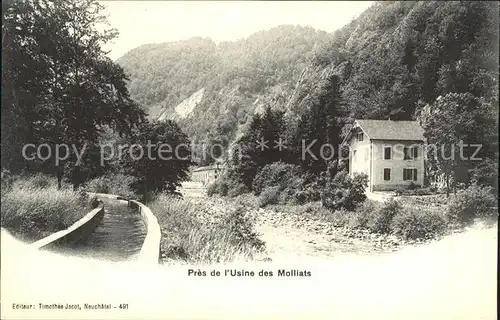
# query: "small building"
390 153
206 174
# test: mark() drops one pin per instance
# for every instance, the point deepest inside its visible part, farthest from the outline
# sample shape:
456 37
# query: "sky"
143 22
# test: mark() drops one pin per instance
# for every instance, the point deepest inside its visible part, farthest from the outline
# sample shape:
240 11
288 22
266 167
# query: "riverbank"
310 230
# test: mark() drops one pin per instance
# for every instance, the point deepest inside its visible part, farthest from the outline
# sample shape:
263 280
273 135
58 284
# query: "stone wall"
79 230
150 251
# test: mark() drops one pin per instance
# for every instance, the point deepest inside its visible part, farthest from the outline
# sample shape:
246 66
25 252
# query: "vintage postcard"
249 159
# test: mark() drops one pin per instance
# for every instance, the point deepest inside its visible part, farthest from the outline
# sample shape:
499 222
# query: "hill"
233 75
391 60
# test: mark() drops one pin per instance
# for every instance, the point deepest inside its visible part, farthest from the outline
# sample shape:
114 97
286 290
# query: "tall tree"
318 136
158 157
61 84
454 120
263 143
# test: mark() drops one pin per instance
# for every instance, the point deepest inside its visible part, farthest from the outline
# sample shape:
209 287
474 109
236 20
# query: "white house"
390 152
208 174
205 175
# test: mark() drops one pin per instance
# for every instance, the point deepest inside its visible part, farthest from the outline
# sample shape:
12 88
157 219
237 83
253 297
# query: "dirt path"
290 236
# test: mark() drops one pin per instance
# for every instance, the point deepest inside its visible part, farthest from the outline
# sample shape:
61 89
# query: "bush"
310 192
241 228
486 173
418 223
270 195
344 192
226 187
357 219
277 174
360 218
237 188
117 184
217 187
475 201
381 219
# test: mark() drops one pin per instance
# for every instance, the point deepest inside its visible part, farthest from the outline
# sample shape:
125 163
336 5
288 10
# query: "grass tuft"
34 208
196 239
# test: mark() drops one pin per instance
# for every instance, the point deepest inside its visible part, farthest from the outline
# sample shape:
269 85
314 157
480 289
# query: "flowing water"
118 237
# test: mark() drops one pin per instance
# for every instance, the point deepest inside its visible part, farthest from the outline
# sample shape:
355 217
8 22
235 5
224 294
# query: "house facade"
204 174
390 153
207 174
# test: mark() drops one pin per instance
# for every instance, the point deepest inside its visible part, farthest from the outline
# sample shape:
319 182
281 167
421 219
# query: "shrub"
117 184
360 218
418 223
237 188
344 192
277 174
475 201
269 195
381 218
225 186
310 192
217 187
241 228
486 173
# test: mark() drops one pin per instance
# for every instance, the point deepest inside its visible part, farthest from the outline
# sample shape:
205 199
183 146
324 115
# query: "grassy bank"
191 233
33 207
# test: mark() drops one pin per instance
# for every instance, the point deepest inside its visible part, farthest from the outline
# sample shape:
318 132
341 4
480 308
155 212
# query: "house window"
387 174
410 174
360 136
414 152
387 153
410 153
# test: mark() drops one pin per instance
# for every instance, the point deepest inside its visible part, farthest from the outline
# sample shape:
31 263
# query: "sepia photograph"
249 160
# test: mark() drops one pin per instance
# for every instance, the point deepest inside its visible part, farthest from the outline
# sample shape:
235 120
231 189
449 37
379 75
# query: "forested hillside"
393 59
234 75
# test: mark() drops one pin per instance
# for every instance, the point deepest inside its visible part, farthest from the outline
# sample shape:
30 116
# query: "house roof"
207 168
390 129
